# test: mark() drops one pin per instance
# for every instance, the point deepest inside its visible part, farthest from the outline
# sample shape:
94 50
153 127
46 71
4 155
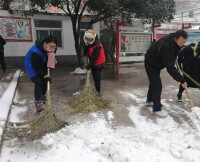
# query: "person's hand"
88 67
47 78
83 67
184 85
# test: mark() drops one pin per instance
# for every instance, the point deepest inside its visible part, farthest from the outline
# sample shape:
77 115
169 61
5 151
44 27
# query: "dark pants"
155 87
181 89
96 72
3 65
40 87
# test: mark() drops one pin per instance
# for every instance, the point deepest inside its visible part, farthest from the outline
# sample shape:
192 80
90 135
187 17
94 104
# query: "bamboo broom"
186 88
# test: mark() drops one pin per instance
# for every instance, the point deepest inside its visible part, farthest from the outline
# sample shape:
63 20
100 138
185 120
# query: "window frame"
49 30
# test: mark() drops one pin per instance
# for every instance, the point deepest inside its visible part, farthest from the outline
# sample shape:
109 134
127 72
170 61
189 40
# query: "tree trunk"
112 49
77 43
6 4
79 54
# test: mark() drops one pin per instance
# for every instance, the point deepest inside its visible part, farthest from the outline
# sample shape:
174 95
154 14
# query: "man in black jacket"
2 43
161 54
189 61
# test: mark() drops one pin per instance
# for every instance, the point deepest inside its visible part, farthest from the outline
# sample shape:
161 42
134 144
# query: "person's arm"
169 62
85 52
37 64
182 55
95 57
2 41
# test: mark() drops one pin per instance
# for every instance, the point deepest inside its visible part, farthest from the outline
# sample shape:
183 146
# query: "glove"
88 67
48 79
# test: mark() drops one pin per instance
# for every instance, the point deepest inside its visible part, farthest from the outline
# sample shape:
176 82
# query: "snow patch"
79 71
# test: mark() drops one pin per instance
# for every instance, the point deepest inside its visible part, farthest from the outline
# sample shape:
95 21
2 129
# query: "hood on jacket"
96 42
39 44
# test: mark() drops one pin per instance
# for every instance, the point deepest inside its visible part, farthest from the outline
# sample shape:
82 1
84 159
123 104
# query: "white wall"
21 48
15 48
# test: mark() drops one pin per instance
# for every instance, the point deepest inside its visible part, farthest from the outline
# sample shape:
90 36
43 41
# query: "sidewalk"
131 78
6 97
127 129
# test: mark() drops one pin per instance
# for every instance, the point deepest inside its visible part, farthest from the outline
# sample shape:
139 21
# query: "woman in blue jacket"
36 68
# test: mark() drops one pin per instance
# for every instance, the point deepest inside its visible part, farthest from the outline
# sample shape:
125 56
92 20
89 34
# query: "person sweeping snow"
89 99
38 62
93 49
161 54
189 61
36 67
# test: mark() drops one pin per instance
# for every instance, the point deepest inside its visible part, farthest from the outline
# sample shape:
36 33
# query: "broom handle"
186 89
48 83
189 77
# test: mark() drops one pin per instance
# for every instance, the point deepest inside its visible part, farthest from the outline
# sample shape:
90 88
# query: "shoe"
43 98
179 97
39 106
148 101
4 71
161 113
38 112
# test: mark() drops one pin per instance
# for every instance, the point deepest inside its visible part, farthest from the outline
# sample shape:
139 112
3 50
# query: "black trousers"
40 87
3 65
155 87
181 89
96 72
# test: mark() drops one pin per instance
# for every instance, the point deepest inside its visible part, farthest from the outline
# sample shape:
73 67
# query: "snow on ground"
79 71
97 139
4 85
17 109
6 100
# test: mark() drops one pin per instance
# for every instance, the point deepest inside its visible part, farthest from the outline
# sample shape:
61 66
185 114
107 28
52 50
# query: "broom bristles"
88 99
44 123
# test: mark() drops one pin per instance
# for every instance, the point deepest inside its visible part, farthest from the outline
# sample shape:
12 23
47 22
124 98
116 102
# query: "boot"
43 98
39 106
179 97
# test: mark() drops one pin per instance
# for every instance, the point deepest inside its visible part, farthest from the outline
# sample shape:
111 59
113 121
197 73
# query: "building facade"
21 33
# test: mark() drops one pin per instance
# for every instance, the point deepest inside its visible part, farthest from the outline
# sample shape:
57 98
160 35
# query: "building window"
83 28
43 28
191 14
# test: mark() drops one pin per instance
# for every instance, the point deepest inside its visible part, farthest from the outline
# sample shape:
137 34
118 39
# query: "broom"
88 99
186 88
47 121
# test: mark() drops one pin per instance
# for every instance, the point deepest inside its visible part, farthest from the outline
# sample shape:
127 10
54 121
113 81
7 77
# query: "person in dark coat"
36 67
93 49
161 54
189 61
2 43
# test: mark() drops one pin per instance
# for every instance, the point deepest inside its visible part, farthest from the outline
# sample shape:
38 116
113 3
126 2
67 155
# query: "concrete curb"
6 102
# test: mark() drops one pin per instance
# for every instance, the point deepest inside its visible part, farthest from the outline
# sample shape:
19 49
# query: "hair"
90 31
181 33
50 39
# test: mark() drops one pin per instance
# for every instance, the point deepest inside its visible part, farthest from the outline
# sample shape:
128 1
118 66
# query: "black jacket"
95 55
163 53
2 43
190 64
37 62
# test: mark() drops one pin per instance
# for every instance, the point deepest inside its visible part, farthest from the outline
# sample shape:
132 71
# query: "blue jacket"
28 66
